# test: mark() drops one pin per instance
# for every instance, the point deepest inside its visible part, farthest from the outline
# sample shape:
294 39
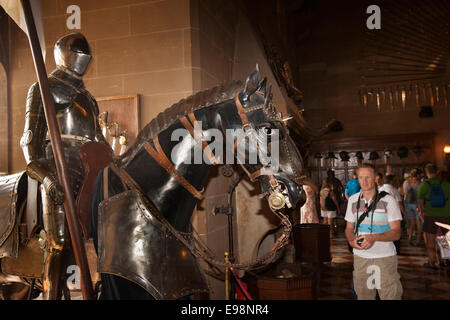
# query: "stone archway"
4 121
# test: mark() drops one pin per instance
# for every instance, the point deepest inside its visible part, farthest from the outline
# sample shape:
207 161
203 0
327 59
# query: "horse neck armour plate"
136 245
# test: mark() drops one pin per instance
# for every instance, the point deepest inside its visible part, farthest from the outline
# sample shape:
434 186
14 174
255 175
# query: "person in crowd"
412 213
379 179
352 186
336 185
308 212
373 223
389 170
402 188
434 206
388 186
329 205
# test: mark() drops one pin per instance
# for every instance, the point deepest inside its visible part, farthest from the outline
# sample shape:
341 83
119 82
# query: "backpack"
329 203
411 196
436 195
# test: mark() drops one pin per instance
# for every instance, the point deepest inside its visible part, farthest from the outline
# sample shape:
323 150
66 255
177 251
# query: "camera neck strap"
371 207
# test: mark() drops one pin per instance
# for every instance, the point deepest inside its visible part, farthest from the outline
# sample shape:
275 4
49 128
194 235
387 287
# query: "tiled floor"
418 283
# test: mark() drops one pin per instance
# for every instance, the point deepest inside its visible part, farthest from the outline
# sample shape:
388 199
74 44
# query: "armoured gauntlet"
37 171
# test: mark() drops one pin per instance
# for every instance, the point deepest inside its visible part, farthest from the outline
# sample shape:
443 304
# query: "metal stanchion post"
227 278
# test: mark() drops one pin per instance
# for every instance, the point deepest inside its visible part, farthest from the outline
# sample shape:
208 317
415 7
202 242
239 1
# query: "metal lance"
366 105
403 96
436 88
397 96
378 100
424 93
417 95
444 93
430 91
50 115
391 101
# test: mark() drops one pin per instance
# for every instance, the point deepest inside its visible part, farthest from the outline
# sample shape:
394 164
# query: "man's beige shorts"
379 274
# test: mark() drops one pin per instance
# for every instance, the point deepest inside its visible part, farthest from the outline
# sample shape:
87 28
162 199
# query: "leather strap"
162 160
242 114
205 147
105 183
266 172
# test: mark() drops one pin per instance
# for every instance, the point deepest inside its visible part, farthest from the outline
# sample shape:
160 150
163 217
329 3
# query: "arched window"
4 121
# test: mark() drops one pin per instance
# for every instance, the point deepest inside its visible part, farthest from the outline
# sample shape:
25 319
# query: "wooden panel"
281 289
123 110
273 284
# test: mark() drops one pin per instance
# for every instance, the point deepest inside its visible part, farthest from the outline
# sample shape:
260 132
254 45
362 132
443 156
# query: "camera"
360 241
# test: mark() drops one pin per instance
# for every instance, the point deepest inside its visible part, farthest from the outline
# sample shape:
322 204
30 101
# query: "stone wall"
213 38
138 47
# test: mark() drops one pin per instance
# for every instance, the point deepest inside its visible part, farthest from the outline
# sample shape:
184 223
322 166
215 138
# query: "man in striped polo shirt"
375 257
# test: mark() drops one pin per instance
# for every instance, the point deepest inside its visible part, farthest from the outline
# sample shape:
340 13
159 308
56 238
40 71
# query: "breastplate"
76 109
78 118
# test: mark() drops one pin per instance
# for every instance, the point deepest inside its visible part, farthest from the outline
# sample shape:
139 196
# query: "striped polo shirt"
387 210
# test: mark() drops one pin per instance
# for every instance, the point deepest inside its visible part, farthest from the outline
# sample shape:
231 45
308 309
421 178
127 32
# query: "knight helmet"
72 52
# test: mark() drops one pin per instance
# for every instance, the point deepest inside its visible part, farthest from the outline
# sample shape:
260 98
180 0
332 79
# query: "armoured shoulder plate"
62 93
12 194
134 244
